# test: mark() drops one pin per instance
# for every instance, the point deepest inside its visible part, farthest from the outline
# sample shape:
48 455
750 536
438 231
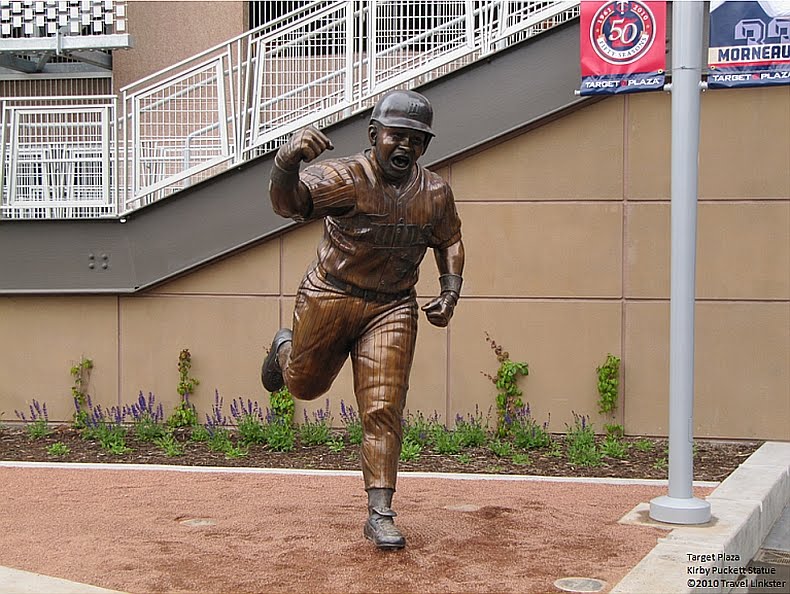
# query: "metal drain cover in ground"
579 584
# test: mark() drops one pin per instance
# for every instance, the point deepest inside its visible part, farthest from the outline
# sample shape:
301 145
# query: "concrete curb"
709 557
458 476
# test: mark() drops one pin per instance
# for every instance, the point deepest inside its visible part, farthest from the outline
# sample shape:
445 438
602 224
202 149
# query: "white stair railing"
226 105
58 160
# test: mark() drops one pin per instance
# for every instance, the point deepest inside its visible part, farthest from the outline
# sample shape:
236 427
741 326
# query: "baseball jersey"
375 236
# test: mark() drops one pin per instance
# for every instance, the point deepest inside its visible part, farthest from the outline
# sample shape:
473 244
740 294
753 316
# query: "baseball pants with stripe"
328 326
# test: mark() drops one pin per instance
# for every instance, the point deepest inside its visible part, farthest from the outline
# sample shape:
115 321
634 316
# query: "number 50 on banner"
622 46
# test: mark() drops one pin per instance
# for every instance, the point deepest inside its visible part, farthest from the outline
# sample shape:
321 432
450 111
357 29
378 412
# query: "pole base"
676 510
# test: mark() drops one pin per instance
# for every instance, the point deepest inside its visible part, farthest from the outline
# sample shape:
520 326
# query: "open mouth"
401 162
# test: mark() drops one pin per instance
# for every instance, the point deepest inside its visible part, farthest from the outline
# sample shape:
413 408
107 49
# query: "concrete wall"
166 32
577 262
567 235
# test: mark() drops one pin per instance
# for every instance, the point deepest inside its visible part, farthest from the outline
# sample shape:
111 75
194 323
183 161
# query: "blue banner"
606 84
749 43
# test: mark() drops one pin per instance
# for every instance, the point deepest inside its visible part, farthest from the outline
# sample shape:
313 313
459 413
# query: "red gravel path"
122 529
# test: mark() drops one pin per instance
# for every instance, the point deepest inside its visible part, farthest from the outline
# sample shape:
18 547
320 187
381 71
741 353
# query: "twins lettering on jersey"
387 235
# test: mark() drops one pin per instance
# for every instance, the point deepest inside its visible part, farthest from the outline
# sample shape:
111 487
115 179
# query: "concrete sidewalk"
14 581
713 557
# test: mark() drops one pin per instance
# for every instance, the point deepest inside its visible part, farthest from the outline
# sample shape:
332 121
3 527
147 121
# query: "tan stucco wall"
546 197
168 31
42 338
567 236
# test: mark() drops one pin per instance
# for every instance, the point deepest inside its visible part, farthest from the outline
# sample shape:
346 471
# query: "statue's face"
396 150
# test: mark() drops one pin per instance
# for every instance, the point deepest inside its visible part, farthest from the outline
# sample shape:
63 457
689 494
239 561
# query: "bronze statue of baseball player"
381 212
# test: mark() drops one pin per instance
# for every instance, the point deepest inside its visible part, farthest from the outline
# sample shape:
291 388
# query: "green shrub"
336 444
148 418
508 398
58 449
419 429
614 430
521 459
184 414
352 423
410 450
614 448
445 441
219 440
500 448
236 451
280 436
282 403
37 426
608 382
318 430
643 445
81 372
169 445
527 434
199 433
249 419
580 444
472 430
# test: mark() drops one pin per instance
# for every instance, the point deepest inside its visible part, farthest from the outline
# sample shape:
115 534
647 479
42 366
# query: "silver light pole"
680 506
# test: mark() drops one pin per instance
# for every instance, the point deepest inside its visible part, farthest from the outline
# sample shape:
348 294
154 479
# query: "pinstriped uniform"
358 297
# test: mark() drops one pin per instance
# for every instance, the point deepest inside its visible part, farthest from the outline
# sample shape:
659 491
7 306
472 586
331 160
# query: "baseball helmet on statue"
404 109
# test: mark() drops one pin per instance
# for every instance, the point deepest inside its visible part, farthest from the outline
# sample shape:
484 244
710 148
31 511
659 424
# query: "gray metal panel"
473 106
65 257
207 221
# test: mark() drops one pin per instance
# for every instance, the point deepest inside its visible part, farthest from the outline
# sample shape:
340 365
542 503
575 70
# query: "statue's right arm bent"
289 195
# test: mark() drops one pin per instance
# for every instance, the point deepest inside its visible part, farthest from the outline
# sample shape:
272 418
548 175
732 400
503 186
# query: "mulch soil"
713 460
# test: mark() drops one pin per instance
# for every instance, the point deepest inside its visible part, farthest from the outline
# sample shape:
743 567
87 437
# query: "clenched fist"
304 145
440 310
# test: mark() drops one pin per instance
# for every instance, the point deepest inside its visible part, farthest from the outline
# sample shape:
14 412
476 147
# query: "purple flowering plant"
37 426
352 423
218 429
472 429
147 417
419 429
318 429
217 422
580 444
526 432
105 425
249 419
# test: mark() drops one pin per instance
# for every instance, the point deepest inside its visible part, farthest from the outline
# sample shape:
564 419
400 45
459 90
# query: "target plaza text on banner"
622 46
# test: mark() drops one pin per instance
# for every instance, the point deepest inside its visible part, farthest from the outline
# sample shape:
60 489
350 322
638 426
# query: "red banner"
622 46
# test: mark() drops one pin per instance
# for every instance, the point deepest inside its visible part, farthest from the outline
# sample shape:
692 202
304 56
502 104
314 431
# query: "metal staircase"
108 156
61 36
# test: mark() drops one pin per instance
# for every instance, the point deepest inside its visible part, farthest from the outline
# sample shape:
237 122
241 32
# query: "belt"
364 294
